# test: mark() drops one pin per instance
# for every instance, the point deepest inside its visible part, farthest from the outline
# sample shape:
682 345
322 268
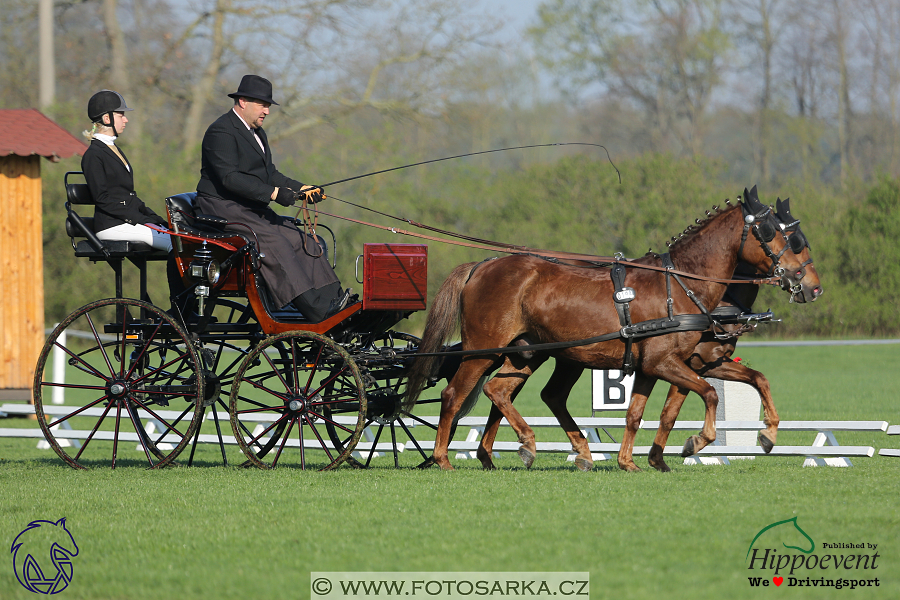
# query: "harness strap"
643 329
622 296
472 272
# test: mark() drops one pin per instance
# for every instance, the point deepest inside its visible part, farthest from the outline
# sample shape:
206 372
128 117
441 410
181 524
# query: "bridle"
797 242
764 231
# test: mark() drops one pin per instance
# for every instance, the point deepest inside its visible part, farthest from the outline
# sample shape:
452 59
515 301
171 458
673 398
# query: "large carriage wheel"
289 390
124 362
386 386
221 355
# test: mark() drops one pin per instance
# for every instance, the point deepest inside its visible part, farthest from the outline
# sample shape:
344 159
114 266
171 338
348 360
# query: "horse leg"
525 364
643 385
732 371
679 374
502 390
555 394
671 408
486 447
452 399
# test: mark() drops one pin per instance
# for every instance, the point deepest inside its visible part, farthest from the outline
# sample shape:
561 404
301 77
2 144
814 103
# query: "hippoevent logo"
784 554
42 556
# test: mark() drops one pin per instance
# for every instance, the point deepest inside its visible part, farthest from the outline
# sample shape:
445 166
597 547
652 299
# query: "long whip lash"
489 244
434 160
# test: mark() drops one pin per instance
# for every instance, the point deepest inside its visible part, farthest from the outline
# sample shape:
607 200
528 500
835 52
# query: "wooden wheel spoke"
318 437
375 443
82 409
413 439
284 440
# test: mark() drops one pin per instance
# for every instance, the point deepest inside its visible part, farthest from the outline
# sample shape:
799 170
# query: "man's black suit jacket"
234 167
112 187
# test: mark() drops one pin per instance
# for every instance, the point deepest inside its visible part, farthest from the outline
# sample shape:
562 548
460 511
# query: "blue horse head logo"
42 556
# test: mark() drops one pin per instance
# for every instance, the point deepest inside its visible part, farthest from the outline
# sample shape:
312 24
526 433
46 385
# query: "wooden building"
25 136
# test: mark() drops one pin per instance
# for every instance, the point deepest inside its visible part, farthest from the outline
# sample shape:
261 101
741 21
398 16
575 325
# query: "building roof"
27 132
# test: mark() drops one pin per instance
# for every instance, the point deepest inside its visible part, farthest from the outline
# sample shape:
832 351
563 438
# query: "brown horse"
526 299
710 358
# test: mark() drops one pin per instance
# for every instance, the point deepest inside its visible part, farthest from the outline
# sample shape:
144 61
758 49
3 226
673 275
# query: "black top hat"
255 87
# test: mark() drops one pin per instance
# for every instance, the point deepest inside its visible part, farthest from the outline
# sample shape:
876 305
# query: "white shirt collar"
251 130
242 119
109 140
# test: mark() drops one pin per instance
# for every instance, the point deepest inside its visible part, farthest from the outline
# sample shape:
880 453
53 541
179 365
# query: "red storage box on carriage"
395 276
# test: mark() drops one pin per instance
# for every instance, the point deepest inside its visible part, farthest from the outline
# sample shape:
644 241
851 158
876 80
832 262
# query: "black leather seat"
185 219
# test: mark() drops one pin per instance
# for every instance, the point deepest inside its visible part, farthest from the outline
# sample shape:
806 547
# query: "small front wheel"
288 393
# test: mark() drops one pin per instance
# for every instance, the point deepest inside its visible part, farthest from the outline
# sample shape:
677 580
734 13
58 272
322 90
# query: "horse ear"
783 209
751 199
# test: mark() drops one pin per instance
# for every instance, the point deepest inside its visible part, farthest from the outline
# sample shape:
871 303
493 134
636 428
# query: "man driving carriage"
238 180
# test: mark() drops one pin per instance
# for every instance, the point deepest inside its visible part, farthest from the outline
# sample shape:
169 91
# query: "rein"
512 249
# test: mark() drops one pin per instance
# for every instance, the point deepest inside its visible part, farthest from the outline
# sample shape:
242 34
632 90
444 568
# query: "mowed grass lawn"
214 532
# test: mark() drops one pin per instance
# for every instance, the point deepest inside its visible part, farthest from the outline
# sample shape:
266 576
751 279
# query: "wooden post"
21 274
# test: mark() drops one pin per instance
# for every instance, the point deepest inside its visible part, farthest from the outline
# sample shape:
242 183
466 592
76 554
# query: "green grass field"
216 532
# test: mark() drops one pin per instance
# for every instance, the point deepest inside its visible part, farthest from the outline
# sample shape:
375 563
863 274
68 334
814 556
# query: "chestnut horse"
523 299
710 358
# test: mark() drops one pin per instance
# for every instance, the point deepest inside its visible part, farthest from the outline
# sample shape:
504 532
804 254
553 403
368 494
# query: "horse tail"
442 322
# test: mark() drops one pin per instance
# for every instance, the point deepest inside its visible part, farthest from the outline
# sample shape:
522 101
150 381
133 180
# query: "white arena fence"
823 451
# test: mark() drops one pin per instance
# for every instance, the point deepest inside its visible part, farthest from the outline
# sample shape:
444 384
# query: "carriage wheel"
117 363
286 394
221 357
385 392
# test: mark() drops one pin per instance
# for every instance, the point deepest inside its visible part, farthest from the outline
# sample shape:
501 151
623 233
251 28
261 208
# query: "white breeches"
137 233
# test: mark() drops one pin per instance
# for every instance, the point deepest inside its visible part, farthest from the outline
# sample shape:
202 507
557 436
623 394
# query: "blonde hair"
95 128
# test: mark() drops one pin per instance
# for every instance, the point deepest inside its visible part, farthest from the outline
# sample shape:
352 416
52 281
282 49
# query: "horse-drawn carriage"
301 393
294 392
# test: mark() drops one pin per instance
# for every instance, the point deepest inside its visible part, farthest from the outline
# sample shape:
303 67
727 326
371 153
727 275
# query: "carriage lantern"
205 269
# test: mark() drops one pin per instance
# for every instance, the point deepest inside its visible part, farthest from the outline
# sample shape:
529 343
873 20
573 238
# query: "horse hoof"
584 464
765 443
527 456
688 449
630 468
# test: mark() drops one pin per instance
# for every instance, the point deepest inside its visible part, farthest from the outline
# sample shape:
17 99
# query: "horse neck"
711 251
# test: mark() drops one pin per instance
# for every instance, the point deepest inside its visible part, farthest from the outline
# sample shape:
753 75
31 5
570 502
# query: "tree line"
695 100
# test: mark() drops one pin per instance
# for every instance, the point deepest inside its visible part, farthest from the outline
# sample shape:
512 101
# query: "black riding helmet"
106 102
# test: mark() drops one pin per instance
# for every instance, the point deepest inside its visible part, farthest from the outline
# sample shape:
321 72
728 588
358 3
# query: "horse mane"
677 241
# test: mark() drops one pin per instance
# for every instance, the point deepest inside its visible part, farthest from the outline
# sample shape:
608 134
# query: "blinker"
766 232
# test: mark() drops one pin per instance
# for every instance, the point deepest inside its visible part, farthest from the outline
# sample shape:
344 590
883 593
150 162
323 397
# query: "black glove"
285 196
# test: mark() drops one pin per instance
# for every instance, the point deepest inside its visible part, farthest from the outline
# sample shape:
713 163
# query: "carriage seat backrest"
186 219
79 193
82 228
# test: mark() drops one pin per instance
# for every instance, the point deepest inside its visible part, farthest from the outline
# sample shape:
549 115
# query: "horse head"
806 286
31 549
782 532
773 253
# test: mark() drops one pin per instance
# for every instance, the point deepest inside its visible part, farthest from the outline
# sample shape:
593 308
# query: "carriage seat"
85 241
185 219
